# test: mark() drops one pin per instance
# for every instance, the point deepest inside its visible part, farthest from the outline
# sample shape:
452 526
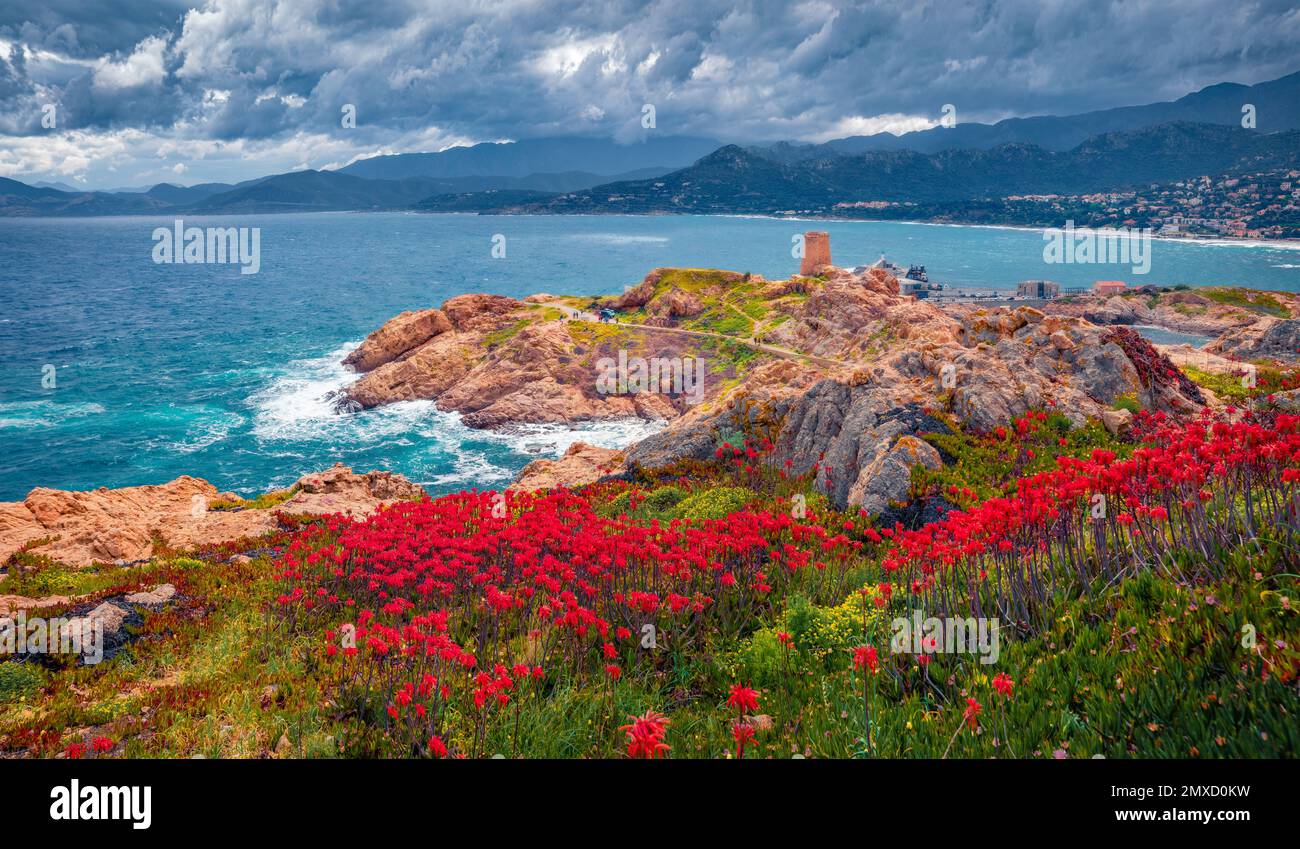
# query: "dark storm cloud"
261 74
89 29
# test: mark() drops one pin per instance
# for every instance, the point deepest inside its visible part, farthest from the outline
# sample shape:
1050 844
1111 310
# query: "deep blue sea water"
165 370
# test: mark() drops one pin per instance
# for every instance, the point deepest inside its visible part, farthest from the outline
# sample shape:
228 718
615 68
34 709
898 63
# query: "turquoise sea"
162 370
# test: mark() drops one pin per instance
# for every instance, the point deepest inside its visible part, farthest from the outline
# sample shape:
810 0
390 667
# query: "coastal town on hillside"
1263 205
1257 205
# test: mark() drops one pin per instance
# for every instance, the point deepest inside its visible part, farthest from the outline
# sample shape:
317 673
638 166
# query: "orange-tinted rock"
676 303
478 312
881 280
340 490
640 294
581 464
110 525
397 336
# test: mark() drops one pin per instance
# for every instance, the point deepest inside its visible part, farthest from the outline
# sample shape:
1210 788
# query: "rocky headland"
843 373
841 368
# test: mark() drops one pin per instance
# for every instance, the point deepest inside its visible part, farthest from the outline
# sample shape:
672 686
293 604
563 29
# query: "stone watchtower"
816 253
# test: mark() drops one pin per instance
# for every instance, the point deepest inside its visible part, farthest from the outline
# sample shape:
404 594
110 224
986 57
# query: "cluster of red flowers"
866 658
742 698
98 745
1197 487
444 610
467 594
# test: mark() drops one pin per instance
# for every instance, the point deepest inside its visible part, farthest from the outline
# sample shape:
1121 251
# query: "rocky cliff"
985 369
1210 311
499 361
126 525
842 365
1270 338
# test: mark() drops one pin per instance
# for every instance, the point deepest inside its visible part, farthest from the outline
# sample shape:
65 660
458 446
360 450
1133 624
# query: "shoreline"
554 439
1206 241
557 438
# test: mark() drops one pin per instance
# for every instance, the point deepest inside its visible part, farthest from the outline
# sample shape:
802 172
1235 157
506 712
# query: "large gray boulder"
863 444
1268 338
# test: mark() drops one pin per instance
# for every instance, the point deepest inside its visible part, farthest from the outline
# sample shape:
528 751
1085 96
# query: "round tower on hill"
816 253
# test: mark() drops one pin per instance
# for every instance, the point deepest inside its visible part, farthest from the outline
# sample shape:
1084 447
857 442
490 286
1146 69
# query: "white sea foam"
618 238
214 426
554 439
297 405
43 413
471 469
296 408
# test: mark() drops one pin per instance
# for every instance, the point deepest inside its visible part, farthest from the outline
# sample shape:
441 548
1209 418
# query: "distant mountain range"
532 157
1276 107
1199 134
743 180
525 169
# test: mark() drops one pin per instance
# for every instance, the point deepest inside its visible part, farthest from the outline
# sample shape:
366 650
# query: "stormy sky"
163 90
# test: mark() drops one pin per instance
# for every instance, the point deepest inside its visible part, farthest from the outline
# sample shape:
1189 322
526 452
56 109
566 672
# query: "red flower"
101 744
437 748
1003 684
645 735
743 733
866 657
743 698
973 709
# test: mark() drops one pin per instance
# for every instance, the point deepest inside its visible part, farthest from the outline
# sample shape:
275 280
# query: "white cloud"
241 88
867 125
564 59
144 66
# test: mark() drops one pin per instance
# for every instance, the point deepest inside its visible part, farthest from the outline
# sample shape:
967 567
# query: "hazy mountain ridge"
1276 103
741 180
538 156
296 191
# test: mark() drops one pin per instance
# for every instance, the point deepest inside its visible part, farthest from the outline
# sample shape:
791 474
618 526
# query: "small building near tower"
1043 289
1106 288
816 253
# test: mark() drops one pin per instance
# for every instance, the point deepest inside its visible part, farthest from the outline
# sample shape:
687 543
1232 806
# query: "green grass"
697 279
1127 401
1249 299
499 337
19 681
35 577
261 502
988 465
